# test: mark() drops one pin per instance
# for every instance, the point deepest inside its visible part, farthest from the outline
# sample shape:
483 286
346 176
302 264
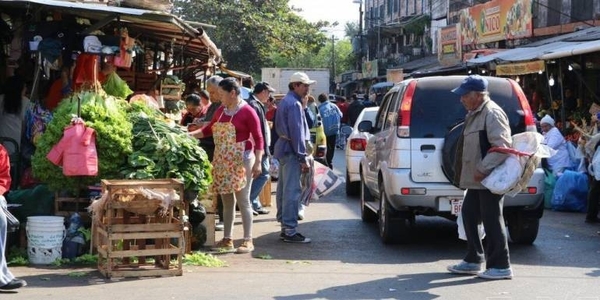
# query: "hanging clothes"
76 150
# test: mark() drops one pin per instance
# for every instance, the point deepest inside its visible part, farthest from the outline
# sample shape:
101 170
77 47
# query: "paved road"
346 260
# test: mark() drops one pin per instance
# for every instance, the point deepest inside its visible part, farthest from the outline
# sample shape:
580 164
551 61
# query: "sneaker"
296 238
261 211
592 220
219 226
282 236
224 245
13 285
464 267
246 247
492 273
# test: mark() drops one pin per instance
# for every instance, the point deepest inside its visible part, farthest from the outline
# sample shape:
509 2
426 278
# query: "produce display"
115 86
113 139
164 150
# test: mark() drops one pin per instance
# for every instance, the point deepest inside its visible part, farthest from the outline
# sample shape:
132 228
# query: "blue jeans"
288 193
258 183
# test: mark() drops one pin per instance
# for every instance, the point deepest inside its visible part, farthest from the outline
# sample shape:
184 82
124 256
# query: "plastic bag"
505 176
461 227
549 184
274 168
570 192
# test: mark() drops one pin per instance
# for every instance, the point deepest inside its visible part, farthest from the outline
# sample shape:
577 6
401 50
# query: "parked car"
355 150
410 157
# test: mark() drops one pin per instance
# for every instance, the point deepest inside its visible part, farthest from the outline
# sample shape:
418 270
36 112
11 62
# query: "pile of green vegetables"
113 139
163 150
115 86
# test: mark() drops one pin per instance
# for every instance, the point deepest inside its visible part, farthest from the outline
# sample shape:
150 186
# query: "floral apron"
228 171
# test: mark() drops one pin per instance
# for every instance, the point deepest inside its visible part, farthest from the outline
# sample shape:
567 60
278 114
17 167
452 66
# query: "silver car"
410 157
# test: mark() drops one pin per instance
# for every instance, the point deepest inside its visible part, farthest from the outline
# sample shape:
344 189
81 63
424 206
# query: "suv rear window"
435 109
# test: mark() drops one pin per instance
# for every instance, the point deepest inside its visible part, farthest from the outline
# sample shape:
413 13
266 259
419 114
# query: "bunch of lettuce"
165 150
105 115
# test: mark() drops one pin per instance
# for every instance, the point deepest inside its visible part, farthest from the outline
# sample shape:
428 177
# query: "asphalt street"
346 260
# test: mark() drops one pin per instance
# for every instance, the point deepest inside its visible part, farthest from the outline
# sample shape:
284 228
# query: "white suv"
410 157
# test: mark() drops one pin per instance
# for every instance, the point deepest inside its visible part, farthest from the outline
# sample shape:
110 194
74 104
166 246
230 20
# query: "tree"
248 32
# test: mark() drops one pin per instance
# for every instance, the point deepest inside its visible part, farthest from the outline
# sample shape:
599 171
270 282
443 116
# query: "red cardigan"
4 171
246 125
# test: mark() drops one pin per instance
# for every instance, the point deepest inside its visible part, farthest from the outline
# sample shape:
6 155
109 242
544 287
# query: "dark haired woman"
235 128
13 105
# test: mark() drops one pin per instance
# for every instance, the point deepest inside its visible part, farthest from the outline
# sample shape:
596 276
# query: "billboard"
495 21
449 46
370 69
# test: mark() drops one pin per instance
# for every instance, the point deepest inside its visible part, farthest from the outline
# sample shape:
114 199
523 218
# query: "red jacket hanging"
4 171
76 151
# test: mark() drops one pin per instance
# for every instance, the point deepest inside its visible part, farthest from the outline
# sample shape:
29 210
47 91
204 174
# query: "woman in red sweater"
235 128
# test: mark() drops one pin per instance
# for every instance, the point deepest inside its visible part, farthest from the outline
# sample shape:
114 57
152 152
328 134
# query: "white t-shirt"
556 141
11 125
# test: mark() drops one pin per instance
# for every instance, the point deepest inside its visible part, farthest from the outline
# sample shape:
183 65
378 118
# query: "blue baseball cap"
472 83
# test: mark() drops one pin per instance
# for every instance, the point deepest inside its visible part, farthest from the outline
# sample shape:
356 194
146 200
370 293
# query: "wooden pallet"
65 206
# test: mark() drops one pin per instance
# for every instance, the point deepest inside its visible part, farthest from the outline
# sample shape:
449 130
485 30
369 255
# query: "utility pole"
360 34
332 79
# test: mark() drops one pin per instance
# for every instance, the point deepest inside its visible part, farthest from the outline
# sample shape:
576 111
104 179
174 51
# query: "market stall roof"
574 43
159 25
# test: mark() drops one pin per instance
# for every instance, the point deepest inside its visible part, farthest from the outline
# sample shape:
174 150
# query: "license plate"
455 206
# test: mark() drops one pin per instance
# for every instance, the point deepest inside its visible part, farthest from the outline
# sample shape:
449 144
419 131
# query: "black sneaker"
14 284
296 238
282 236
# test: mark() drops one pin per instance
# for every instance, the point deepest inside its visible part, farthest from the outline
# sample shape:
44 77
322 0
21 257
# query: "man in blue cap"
485 126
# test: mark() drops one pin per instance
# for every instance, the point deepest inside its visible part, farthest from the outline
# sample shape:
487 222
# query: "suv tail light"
404 110
358 144
529 122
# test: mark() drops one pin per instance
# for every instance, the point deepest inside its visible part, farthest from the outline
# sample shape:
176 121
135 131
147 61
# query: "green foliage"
250 31
17 257
344 58
113 139
162 150
87 259
203 259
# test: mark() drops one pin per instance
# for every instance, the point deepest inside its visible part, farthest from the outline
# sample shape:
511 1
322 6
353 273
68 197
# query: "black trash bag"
197 212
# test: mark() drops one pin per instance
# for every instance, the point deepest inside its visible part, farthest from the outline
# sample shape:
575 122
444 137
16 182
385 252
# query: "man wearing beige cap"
290 149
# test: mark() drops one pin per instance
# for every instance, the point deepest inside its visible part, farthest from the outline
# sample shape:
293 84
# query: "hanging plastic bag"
549 184
461 227
76 151
274 168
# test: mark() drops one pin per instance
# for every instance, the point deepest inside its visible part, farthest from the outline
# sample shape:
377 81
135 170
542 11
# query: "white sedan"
355 151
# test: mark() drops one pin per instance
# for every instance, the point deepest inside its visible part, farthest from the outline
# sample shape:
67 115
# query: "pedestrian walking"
486 125
332 117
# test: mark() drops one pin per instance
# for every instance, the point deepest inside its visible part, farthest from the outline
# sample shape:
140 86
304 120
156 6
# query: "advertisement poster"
495 21
449 48
394 75
370 69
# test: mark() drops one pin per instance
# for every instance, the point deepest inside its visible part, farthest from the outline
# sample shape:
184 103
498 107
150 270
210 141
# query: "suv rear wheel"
392 228
522 229
366 214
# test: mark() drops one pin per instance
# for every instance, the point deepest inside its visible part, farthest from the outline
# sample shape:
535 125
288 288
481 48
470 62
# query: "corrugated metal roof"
574 43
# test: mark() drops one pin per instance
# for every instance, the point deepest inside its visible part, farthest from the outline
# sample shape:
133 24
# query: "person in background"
207 143
290 150
204 101
343 106
193 111
236 161
474 163
332 117
7 279
13 106
555 140
62 87
258 100
354 109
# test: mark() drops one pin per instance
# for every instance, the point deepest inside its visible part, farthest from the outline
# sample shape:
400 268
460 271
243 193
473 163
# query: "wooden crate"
121 235
154 245
65 206
145 82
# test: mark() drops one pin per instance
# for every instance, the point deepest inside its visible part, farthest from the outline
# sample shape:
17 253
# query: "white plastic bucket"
45 235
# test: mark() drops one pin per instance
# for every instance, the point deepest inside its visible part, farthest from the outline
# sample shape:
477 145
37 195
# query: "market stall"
99 57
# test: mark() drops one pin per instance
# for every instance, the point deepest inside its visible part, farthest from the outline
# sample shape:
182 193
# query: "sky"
342 11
